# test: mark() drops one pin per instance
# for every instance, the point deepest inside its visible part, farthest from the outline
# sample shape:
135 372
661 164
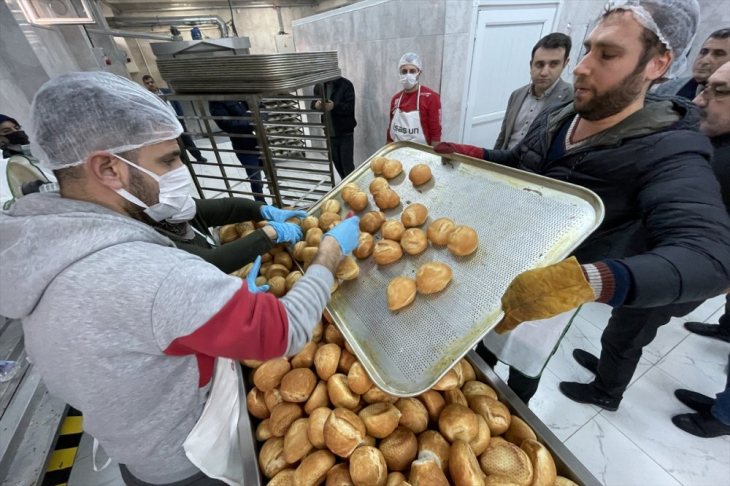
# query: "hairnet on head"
410 58
77 114
673 21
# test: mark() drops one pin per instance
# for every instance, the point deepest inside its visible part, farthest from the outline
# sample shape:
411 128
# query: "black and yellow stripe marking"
64 453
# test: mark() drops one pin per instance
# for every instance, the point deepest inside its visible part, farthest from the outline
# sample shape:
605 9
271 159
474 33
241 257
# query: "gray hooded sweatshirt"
126 328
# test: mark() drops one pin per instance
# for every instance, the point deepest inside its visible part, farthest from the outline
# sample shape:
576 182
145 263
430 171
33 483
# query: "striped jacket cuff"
609 280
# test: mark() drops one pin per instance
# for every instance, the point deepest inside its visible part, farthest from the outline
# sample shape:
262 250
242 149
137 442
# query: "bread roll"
271 457
264 269
263 432
326 360
308 254
372 221
276 270
434 403
298 385
420 174
260 224
367 467
447 382
284 259
358 379
401 292
413 415
347 359
426 471
268 376
455 396
379 183
283 415
467 371
327 220
375 395
387 251
292 278
340 394
256 404
396 479
339 476
296 441
414 241
228 233
347 269
297 250
277 286
463 241
464 466
376 165
331 206
245 226
358 201
348 190
277 249
494 412
305 357
518 432
480 443
251 363
386 198
309 222
399 449
433 277
333 335
260 281
392 168
343 432
544 472
414 215
365 245
317 332
457 422
392 230
313 237
431 442
313 469
317 419
505 459
380 419
319 398
561 481
272 398
475 388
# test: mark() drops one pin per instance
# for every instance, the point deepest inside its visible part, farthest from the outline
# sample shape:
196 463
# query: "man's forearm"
329 254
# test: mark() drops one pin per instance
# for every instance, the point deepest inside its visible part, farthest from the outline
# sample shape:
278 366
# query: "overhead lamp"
56 12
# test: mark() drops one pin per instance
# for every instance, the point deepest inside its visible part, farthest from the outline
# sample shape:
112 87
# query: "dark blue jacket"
175 104
244 127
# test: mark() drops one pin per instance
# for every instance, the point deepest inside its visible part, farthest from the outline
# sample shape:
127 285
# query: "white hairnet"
77 114
673 21
410 58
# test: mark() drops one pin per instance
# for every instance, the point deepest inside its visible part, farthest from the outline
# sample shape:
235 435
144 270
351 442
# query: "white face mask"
409 80
175 205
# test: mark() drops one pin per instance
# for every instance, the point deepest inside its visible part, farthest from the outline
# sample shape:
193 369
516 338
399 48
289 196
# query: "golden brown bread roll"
386 198
284 259
343 432
305 357
264 269
251 363
277 286
317 419
414 415
457 422
464 466
297 250
399 449
272 398
348 190
276 270
309 222
297 385
331 206
308 254
414 215
313 237
260 224
365 245
447 382
475 388
425 471
271 457
257 404
401 292
326 360
245 226
434 403
292 278
380 419
268 376
367 467
358 201
455 396
480 443
433 277
296 441
358 379
505 459
376 165
387 251
313 469
431 442
396 479
375 395
333 335
544 472
463 240
317 332
414 241
392 230
263 432
339 476
518 432
420 174
347 359
283 415
372 221
340 394
327 220
494 412
261 281
347 269
379 183
392 168
319 398
277 249
228 233
561 481
267 257
467 371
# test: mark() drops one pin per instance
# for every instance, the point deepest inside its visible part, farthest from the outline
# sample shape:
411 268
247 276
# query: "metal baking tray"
523 221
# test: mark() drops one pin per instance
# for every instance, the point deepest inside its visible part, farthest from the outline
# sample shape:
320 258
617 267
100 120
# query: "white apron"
406 127
529 346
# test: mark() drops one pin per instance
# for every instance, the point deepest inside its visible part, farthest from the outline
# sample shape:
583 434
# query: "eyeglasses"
711 92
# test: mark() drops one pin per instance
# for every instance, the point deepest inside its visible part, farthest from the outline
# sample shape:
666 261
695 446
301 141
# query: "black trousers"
189 144
199 479
343 149
523 386
725 318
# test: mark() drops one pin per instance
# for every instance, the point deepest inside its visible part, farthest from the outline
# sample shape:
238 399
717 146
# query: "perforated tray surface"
523 221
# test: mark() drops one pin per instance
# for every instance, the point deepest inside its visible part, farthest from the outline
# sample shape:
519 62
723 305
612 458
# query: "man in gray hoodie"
121 324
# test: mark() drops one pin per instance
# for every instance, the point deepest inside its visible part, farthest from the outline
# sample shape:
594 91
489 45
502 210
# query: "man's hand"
544 292
272 213
468 150
318 105
251 278
286 232
329 105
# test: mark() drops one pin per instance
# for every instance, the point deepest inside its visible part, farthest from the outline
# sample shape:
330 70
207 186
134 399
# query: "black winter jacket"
343 112
239 127
653 173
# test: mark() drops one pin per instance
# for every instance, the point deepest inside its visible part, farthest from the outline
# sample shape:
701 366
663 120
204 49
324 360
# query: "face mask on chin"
17 138
409 81
175 205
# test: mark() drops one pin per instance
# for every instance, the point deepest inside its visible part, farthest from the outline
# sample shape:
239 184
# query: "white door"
504 37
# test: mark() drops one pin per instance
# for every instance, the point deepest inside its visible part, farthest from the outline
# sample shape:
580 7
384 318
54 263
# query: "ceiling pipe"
128 34
127 7
158 20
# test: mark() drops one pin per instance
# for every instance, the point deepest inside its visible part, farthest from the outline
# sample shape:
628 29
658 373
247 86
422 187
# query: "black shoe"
696 401
202 160
701 426
586 360
585 393
709 330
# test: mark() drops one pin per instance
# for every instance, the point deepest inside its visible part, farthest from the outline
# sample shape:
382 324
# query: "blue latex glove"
287 232
251 278
270 213
346 233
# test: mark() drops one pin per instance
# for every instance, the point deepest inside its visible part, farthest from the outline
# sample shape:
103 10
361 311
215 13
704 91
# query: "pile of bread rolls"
322 421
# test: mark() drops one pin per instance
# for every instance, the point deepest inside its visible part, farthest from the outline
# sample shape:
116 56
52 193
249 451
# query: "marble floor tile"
613 459
596 313
645 418
699 363
707 310
667 338
581 335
